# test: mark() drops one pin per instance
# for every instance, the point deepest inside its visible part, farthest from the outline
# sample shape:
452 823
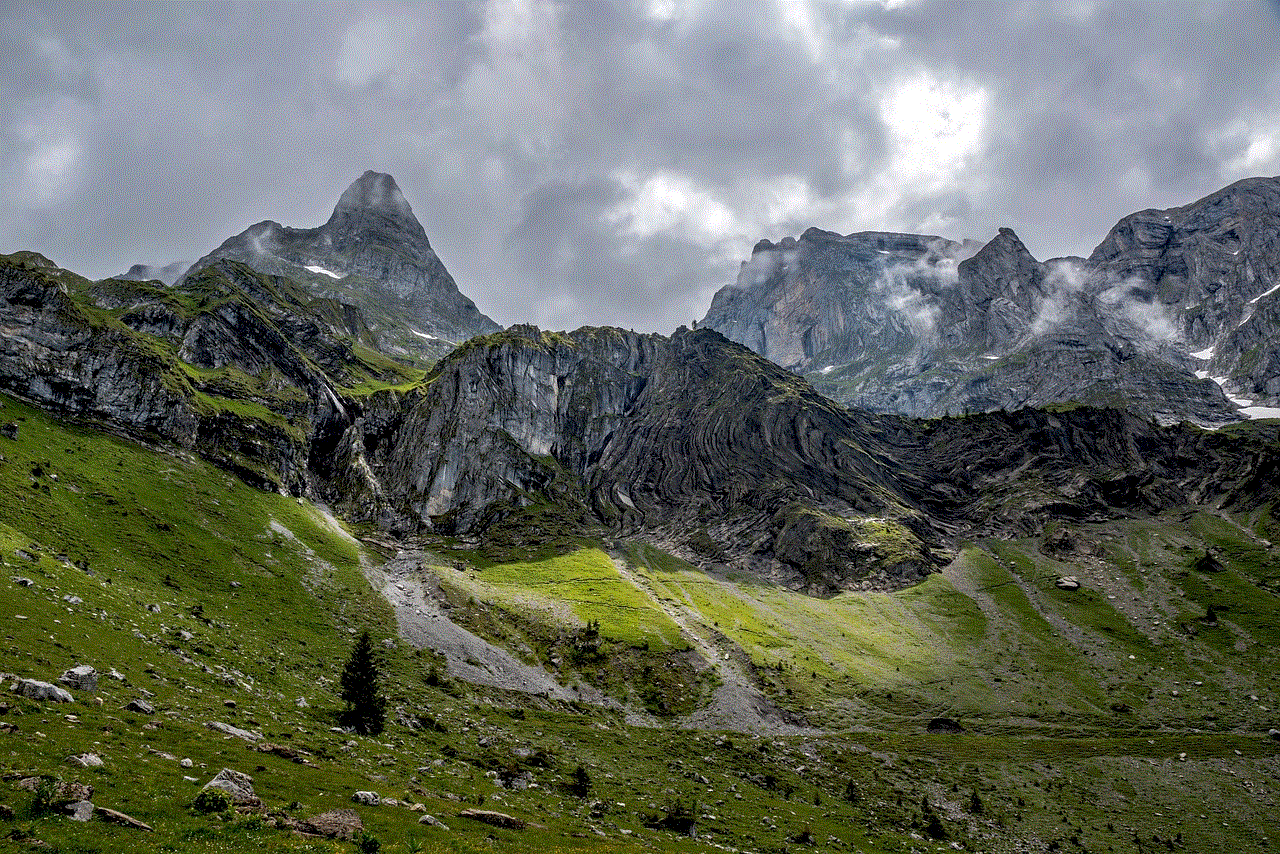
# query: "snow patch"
828 369
1261 411
423 335
1205 354
313 268
1202 375
1265 293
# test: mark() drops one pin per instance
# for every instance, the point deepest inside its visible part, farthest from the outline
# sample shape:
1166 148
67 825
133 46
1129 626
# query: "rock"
228 729
497 819
369 799
301 702
82 677
72 600
153 608
140 706
86 760
22 581
79 810
186 762
944 725
390 802
9 430
1273 734
1207 562
335 824
34 689
1067 582
238 785
433 822
116 817
184 635
293 754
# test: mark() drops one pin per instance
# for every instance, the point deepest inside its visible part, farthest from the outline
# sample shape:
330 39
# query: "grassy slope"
1032 671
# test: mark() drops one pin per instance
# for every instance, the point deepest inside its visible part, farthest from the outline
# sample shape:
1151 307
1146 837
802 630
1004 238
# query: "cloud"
616 162
1142 318
1064 283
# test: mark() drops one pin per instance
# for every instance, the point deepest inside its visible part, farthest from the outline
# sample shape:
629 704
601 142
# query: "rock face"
1168 303
168 274
373 254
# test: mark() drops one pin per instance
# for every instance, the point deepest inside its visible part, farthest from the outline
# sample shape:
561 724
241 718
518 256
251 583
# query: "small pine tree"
366 709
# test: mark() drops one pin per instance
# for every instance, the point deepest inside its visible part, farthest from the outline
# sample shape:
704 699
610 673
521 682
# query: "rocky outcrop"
372 253
923 326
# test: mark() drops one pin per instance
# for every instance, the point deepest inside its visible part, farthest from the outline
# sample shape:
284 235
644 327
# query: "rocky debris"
79 810
237 732
433 822
238 785
293 754
334 824
117 817
1067 582
33 689
85 760
496 819
369 799
139 706
945 725
82 677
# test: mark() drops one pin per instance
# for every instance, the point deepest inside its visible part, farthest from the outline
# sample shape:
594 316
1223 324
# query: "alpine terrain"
911 545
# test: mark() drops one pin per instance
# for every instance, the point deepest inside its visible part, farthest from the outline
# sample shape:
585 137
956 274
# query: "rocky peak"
375 200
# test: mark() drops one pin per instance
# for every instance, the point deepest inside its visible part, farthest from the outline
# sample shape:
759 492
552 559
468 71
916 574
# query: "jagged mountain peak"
375 197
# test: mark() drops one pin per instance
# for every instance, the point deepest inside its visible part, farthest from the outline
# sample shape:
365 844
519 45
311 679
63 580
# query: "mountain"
1163 316
372 253
167 274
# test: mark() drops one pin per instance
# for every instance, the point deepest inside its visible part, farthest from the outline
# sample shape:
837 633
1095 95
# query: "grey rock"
86 760
34 689
82 677
367 798
237 784
433 822
335 824
23 582
80 810
1067 582
185 762
228 729
139 706
72 600
9 430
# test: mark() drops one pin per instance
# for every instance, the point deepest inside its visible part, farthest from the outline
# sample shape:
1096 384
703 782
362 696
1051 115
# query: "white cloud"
377 46
52 144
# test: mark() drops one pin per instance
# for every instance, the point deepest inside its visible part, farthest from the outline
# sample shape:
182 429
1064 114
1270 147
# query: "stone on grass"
1067 582
186 763
82 677
80 810
228 729
34 689
335 824
433 822
496 819
86 760
117 817
142 707
22 581
369 799
238 785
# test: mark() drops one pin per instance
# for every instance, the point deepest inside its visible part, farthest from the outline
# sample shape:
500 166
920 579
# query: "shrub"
211 801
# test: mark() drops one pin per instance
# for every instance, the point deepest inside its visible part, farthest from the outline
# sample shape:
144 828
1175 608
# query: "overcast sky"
613 163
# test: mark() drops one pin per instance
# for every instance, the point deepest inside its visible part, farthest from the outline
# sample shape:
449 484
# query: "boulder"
34 689
228 729
23 581
432 821
80 810
335 824
947 725
117 817
1067 582
142 707
369 799
85 760
82 677
497 819
9 430
238 785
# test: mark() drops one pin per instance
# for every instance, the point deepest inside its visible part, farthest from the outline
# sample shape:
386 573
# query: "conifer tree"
366 708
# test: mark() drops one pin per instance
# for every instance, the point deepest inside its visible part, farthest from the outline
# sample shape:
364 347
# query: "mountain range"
922 529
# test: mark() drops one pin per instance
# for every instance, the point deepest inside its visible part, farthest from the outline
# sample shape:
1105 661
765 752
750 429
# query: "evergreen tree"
366 707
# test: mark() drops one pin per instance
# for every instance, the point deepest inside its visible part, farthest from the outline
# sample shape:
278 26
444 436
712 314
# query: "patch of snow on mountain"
313 268
423 335
1206 354
828 369
1261 411
1265 293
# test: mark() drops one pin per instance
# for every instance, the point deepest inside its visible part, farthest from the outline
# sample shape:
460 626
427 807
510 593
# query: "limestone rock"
82 677
335 824
237 784
369 799
139 706
34 689
117 817
497 819
86 760
228 729
79 810
433 822
1067 582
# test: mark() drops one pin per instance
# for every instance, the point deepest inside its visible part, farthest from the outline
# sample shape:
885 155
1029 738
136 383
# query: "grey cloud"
182 124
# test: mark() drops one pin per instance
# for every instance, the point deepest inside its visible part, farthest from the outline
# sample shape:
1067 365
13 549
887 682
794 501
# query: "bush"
580 786
368 844
211 800
366 709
